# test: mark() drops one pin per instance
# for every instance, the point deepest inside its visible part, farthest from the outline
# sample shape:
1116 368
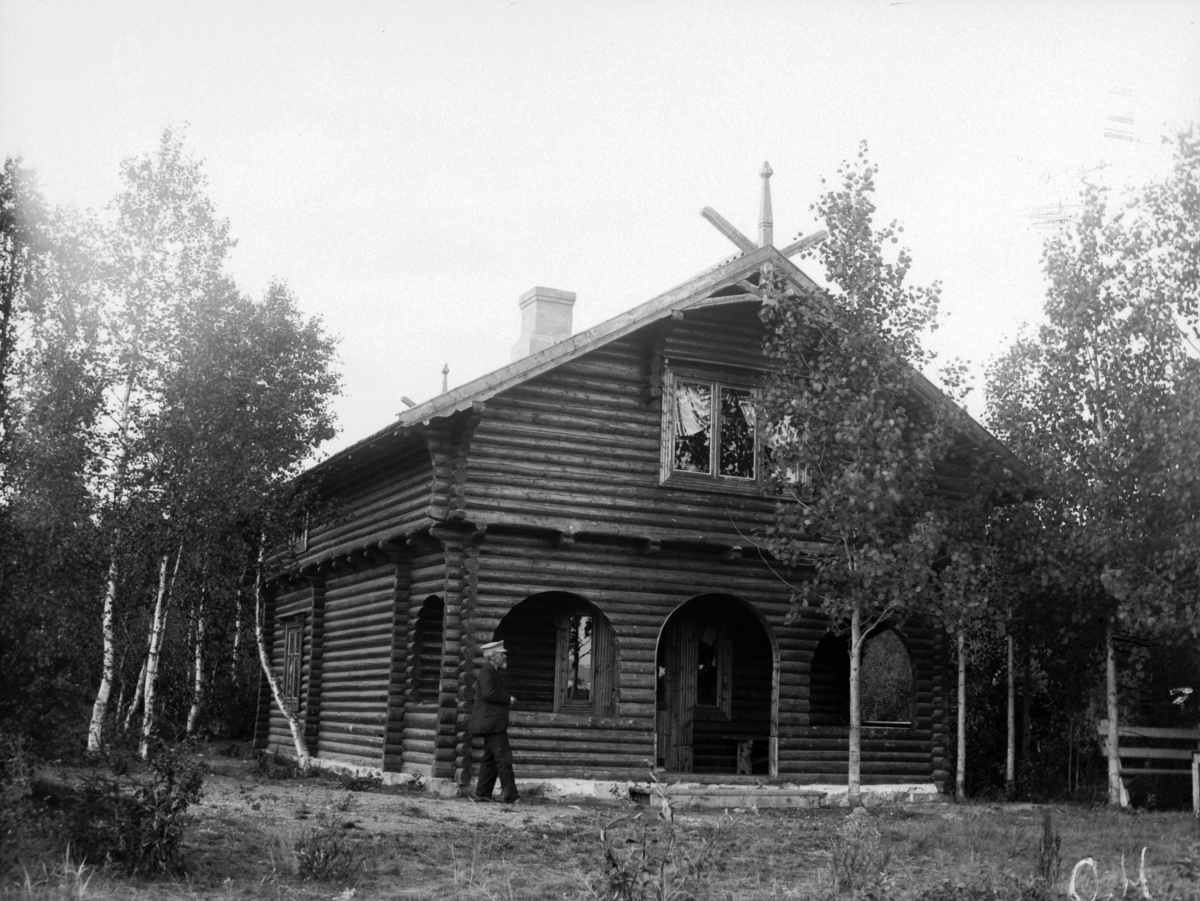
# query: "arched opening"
829 682
716 689
886 684
427 651
562 654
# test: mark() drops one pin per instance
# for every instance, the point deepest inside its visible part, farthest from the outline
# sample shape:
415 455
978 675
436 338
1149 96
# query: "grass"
248 834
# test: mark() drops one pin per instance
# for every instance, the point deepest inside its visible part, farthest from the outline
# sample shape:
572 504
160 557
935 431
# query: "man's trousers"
497 761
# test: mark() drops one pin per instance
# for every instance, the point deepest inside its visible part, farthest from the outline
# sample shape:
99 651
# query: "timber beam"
810 241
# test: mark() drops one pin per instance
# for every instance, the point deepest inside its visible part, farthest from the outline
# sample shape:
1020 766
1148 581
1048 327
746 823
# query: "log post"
398 688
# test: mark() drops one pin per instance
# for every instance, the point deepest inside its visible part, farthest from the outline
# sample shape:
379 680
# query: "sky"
411 168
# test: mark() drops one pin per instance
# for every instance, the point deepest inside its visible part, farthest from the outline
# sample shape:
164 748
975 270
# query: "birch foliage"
852 445
1105 398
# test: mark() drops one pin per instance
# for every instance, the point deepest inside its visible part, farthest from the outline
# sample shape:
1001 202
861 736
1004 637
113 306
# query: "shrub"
368 782
16 787
325 853
858 856
1049 852
658 863
138 824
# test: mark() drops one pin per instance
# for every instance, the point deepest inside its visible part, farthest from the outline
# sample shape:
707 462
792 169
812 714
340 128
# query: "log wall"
578 448
355 665
382 500
427 576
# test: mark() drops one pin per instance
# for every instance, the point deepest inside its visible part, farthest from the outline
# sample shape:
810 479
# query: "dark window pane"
579 659
707 680
737 434
693 427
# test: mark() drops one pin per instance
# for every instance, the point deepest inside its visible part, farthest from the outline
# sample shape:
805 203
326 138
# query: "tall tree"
50 379
853 445
167 249
1104 398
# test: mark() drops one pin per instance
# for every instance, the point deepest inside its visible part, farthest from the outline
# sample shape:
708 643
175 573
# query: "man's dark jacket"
490 711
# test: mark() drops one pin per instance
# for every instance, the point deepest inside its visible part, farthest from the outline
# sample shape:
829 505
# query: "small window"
293 634
578 680
709 431
299 538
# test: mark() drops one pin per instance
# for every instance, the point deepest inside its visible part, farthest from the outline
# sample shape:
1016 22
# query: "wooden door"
679 663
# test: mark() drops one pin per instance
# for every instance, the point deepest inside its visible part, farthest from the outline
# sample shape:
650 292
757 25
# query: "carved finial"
766 225
445 378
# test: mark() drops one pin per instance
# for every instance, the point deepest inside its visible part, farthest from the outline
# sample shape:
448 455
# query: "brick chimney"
545 320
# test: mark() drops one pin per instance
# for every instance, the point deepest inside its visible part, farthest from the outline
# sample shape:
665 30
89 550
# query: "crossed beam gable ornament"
766 231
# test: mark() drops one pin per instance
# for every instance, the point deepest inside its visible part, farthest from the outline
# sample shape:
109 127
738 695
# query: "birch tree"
853 449
167 248
51 384
1105 398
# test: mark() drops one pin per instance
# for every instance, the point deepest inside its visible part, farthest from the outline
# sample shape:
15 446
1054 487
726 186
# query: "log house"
590 504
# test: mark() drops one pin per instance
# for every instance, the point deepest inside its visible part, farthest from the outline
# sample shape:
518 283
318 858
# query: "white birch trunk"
237 642
1010 757
960 773
854 773
1114 751
264 659
157 630
138 695
95 741
197 708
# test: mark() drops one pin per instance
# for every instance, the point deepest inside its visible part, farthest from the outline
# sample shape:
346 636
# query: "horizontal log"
349 746
416 757
582 761
530 720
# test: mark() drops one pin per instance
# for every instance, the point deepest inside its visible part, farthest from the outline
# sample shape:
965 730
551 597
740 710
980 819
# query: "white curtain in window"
692 411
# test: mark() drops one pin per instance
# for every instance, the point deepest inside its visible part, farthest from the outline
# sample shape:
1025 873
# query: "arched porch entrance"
717 692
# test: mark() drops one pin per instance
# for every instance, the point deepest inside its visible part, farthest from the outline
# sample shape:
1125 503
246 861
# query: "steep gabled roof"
732 281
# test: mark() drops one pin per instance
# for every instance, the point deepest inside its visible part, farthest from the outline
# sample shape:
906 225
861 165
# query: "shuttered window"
293 637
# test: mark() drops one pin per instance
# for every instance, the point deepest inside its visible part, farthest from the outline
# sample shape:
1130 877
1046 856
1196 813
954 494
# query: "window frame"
293 661
603 653
715 380
562 668
299 537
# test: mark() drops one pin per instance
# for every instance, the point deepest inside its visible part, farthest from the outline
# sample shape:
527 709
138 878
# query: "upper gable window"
709 431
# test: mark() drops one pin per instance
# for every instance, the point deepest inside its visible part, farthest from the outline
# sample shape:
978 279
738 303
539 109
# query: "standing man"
489 720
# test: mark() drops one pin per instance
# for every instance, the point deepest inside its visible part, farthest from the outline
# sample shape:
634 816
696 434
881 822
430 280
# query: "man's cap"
493 647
